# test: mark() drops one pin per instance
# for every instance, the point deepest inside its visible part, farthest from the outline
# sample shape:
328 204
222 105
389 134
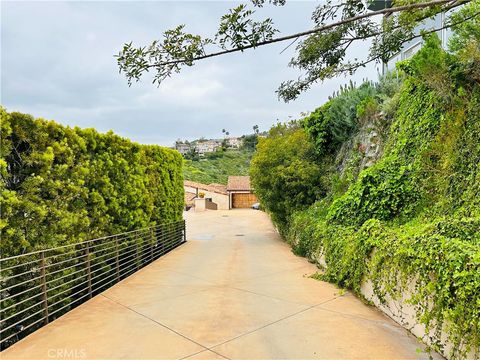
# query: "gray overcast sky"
57 63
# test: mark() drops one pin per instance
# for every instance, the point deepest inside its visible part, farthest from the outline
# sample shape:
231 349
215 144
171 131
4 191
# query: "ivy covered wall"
411 217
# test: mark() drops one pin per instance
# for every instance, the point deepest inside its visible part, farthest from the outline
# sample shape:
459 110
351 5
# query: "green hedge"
62 185
284 174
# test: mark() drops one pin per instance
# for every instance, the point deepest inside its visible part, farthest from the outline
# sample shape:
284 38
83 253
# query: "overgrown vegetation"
412 214
61 185
216 167
334 123
323 52
286 176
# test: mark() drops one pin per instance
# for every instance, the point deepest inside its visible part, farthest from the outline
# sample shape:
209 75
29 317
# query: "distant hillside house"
216 194
234 142
240 192
207 146
182 148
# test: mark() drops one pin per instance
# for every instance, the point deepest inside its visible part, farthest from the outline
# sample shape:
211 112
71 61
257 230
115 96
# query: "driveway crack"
164 326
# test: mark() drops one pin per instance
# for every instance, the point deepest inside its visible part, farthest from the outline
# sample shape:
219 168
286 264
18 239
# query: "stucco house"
216 194
234 142
240 192
182 148
207 146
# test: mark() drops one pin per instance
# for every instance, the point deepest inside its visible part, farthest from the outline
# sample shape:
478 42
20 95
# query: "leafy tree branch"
320 56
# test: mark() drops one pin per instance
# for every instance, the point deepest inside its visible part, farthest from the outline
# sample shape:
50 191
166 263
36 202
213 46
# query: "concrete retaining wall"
404 314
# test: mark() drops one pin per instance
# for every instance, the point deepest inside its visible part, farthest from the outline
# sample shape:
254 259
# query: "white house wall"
221 200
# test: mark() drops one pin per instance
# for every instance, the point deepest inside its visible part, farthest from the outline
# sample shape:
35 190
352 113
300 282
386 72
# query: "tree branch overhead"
322 54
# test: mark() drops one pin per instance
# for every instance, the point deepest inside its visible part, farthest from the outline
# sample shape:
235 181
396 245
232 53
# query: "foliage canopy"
322 53
284 173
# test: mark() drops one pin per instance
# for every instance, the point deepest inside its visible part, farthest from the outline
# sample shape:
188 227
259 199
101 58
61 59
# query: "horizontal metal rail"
38 287
88 241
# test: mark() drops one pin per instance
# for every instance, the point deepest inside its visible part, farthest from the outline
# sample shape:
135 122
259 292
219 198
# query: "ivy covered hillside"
381 187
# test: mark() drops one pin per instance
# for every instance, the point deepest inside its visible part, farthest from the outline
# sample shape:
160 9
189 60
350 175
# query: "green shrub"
61 185
284 173
336 121
386 190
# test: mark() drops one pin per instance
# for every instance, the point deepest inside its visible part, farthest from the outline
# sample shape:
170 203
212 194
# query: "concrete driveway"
234 291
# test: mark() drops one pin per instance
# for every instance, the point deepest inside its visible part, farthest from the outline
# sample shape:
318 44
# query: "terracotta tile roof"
189 197
241 183
217 188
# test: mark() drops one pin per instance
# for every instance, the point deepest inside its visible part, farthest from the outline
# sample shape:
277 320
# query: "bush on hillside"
334 122
284 173
216 167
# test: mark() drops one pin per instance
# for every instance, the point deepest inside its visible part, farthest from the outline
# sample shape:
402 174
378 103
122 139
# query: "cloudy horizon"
58 63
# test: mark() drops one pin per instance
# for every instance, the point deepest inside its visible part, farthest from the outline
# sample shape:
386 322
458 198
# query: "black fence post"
152 242
184 231
89 271
138 253
44 287
117 261
162 240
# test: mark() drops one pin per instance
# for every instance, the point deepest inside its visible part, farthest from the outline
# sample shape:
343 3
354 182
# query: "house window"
408 53
391 63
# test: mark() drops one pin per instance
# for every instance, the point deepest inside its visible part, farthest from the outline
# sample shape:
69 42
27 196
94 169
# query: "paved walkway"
235 291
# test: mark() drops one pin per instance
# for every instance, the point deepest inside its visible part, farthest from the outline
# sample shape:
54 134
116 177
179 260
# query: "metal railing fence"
40 286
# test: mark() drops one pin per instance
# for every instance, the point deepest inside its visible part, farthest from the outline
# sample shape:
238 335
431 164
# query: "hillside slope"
216 167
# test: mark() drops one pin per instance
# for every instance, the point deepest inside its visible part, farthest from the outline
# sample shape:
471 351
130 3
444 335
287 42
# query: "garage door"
243 200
